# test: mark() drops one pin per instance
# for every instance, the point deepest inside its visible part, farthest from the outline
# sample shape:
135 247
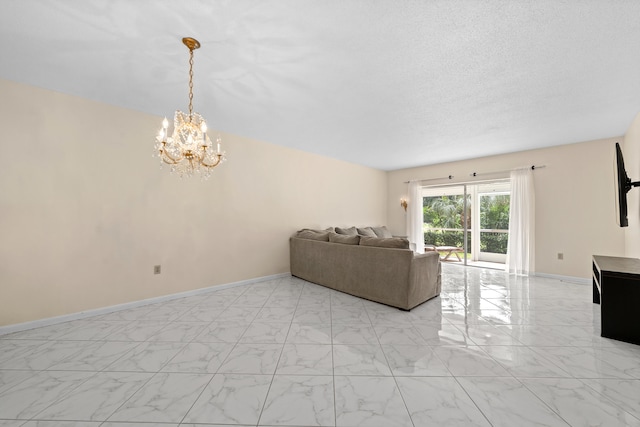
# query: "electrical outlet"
560 256
156 269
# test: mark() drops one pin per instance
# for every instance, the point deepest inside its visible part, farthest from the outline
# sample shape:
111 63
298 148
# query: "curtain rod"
430 179
533 167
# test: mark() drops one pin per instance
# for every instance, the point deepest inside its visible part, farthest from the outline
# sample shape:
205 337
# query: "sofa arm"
424 278
428 255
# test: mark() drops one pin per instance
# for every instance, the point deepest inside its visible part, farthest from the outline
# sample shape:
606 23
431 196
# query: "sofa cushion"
382 232
394 242
344 239
313 234
351 231
366 231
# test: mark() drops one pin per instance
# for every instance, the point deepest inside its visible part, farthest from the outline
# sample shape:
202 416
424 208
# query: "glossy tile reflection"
491 350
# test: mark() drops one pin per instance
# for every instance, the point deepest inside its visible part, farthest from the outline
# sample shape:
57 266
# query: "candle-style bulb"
203 128
165 123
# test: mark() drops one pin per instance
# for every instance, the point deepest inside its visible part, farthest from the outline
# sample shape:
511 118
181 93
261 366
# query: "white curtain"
414 218
521 223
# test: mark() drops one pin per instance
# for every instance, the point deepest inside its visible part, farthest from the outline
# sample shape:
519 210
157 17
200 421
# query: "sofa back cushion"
313 234
394 242
366 231
344 239
351 231
382 232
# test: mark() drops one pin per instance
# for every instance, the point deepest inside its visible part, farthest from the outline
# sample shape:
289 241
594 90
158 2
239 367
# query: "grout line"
224 360
280 356
471 399
395 380
333 364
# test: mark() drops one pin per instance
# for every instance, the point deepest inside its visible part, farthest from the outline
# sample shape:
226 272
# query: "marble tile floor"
492 350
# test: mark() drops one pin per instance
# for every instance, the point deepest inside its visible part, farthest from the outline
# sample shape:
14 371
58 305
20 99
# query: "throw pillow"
351 231
313 235
382 232
394 242
344 239
367 231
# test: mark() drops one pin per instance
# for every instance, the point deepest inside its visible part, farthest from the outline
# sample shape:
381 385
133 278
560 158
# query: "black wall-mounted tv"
623 185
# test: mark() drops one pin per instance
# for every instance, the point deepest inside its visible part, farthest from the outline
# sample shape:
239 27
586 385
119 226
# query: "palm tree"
444 211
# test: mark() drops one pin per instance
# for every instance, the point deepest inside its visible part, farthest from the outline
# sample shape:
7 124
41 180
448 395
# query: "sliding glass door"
469 222
492 213
447 220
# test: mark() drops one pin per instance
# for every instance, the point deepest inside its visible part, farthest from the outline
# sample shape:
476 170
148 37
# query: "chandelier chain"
190 83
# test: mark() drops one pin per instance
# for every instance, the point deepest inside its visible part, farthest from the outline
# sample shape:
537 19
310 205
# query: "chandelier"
188 150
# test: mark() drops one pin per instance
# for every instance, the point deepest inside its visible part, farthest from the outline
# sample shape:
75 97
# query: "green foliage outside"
447 212
494 242
444 212
494 214
446 238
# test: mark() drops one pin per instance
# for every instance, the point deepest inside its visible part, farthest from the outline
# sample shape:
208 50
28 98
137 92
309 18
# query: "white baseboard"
128 305
572 279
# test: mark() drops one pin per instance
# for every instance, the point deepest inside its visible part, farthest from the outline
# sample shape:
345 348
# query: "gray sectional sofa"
381 269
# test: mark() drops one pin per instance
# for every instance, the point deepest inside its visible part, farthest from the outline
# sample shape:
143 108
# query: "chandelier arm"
214 164
203 155
173 160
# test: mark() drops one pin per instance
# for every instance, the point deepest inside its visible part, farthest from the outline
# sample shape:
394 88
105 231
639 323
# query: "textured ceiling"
383 83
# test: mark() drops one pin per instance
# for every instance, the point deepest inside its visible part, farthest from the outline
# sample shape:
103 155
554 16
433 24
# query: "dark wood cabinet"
616 287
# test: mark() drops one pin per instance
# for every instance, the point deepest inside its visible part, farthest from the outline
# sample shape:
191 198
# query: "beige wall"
86 212
575 210
631 151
